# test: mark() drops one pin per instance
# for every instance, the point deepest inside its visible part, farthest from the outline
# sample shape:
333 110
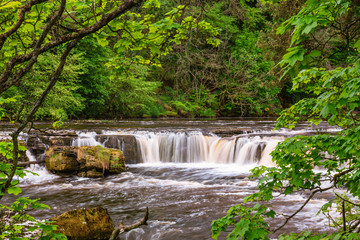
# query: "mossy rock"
90 174
94 161
101 159
81 224
126 142
61 159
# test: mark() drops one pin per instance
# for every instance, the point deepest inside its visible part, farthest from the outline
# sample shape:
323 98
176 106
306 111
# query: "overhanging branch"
301 208
21 17
7 80
38 103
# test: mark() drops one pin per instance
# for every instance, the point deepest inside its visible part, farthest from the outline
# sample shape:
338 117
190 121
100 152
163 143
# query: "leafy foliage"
200 103
235 72
12 224
13 218
62 102
136 38
132 94
93 81
333 97
251 225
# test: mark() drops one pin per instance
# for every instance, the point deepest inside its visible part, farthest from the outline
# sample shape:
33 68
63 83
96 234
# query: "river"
188 173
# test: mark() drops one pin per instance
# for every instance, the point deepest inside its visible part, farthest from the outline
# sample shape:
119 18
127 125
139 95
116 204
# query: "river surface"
183 194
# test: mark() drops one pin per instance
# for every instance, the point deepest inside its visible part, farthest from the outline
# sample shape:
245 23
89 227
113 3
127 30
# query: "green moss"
95 161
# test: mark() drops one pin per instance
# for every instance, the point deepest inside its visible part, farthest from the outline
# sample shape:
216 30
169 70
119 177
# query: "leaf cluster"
250 226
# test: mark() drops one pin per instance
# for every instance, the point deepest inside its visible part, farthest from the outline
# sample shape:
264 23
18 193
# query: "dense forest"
238 77
298 60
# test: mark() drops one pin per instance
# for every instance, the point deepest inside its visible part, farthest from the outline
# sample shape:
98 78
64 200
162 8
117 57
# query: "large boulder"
125 143
90 223
62 159
86 161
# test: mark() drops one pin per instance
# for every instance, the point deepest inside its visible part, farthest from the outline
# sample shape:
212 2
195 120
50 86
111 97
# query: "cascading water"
174 147
188 147
183 194
85 139
35 173
194 147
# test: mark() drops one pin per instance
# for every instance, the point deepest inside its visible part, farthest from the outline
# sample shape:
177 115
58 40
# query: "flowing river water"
187 172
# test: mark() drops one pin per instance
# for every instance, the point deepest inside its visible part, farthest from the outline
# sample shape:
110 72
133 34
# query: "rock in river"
86 161
81 224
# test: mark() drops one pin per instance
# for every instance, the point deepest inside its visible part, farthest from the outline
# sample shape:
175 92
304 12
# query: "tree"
324 61
234 75
61 102
34 29
93 82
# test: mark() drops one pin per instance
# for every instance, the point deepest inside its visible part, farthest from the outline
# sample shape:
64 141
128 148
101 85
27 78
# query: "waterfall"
36 173
187 147
85 139
194 147
266 159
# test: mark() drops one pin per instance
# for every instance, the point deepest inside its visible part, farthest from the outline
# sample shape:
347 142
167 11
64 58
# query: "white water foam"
38 174
86 139
194 147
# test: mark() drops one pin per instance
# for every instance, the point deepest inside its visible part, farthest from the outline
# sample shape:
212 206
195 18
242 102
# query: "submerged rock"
86 161
90 223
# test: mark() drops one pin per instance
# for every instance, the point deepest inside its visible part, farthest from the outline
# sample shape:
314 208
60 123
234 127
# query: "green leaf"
294 54
328 109
289 190
357 45
10 4
240 229
308 28
271 214
14 190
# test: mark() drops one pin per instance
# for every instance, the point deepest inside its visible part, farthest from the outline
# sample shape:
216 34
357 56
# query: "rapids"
188 174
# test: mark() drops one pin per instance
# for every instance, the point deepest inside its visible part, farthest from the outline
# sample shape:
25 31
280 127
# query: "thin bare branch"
343 215
121 228
355 204
302 206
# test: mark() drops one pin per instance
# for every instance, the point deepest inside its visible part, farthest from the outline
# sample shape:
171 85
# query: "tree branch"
15 134
343 215
355 204
338 175
21 17
121 228
302 206
5 82
39 42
